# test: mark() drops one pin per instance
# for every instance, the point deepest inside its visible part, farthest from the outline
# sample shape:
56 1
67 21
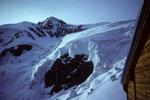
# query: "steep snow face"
22 78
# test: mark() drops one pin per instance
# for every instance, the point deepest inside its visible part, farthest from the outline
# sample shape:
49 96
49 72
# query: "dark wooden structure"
136 74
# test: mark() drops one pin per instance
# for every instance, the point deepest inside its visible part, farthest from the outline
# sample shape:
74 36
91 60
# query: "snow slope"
22 77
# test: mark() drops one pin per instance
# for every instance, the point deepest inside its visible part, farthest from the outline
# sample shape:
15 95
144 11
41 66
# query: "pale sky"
71 11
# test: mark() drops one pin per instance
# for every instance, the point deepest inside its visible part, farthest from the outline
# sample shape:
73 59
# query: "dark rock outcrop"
16 51
67 72
35 31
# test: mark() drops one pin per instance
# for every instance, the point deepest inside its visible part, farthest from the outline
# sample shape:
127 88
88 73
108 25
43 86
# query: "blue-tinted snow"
22 78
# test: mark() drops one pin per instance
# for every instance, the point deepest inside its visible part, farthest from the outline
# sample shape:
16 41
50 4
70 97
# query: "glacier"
22 77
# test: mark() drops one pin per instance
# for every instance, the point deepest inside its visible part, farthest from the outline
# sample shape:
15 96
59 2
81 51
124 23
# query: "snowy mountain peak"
57 27
54 19
50 22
